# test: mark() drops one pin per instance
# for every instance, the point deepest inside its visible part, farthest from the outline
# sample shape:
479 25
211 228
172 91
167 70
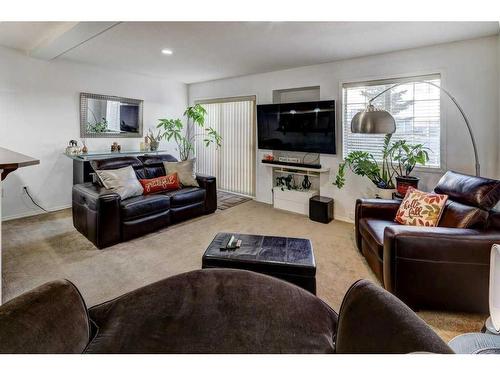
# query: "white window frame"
444 108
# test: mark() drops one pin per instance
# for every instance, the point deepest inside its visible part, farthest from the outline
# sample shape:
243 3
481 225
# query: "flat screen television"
304 126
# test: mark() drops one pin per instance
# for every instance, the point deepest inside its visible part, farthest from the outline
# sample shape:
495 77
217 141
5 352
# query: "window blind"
414 105
234 163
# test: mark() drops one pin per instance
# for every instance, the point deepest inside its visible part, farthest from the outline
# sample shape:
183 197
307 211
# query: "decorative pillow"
122 181
420 208
184 169
163 183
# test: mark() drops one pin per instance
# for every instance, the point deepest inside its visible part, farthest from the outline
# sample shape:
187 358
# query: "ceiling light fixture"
166 51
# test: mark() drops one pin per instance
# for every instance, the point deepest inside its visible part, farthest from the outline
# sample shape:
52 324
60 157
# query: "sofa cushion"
372 231
421 209
186 196
153 164
215 311
143 205
159 184
458 215
122 181
185 169
471 190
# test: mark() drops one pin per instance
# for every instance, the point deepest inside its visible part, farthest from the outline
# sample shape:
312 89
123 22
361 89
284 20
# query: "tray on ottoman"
289 259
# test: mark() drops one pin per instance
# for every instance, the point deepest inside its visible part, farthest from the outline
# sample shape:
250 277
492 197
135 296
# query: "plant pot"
404 182
154 145
385 193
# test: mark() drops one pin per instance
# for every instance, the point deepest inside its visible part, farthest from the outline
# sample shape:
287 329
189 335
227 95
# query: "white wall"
39 114
468 70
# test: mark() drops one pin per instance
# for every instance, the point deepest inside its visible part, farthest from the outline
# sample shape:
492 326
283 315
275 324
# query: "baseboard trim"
344 219
35 213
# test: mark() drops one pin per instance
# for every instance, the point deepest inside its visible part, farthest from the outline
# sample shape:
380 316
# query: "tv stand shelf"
294 200
293 166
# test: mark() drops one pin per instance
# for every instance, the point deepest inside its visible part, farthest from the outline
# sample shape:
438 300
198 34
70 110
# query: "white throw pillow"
122 181
184 169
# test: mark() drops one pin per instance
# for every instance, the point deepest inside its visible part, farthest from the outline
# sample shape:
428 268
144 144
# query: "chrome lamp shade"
373 121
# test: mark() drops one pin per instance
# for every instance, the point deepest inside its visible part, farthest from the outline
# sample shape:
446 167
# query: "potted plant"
398 161
174 129
404 158
154 140
363 163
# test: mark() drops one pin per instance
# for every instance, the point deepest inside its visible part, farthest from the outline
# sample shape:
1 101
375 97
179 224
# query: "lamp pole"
474 146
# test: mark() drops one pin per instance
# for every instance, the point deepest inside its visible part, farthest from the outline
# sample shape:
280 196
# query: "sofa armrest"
50 319
373 321
438 266
209 183
374 208
96 214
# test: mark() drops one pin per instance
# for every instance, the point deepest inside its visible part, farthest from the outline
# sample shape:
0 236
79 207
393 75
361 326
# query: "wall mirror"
103 116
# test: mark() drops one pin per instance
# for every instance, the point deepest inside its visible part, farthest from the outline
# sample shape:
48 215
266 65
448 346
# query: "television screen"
305 126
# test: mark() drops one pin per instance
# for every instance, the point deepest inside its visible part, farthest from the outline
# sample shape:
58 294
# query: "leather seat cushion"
186 196
215 311
372 231
143 205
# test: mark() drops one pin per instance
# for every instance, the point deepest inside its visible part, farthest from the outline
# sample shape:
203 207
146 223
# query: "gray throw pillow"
184 169
122 181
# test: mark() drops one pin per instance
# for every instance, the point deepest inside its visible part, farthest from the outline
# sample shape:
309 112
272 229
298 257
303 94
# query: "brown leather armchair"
444 267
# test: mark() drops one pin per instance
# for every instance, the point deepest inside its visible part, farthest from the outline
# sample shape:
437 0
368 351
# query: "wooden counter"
11 160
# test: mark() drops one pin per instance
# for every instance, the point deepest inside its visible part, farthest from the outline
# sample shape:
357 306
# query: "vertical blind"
234 163
414 105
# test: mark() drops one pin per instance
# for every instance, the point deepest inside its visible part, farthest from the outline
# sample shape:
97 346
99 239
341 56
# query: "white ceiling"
212 50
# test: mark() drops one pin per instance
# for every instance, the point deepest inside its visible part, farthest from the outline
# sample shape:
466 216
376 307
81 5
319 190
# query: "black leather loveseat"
105 219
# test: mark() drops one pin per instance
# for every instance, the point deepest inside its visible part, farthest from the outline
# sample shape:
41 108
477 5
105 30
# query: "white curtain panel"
234 163
113 115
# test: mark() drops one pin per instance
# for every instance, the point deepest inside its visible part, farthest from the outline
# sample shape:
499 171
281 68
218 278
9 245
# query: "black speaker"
321 209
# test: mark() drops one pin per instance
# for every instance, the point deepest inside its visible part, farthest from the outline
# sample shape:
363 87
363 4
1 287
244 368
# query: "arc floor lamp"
377 121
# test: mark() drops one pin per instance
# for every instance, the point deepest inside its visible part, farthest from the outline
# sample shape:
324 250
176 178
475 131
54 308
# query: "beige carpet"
47 247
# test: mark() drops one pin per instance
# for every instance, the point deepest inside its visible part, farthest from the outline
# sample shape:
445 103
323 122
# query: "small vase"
306 183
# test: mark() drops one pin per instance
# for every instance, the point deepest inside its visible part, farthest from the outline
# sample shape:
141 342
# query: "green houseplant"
405 157
363 163
398 161
173 129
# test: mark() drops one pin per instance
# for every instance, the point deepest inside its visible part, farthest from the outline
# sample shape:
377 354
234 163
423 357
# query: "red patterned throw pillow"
163 183
420 208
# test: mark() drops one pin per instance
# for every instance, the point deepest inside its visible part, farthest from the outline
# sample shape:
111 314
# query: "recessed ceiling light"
167 51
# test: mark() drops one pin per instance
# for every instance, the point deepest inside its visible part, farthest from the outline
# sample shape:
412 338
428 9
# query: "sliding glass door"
234 163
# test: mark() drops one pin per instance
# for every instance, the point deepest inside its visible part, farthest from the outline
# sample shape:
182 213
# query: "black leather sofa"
105 219
213 311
